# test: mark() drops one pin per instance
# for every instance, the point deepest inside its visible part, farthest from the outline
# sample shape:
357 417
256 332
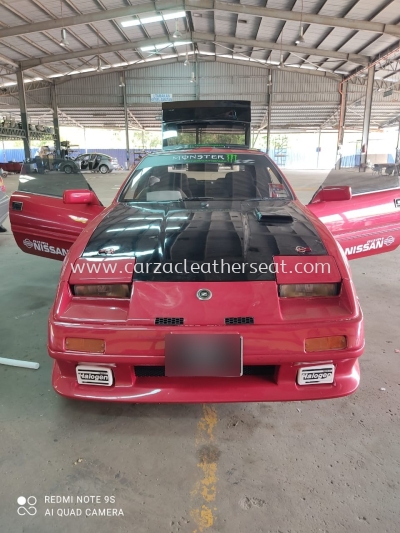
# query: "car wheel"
68 169
103 169
2 229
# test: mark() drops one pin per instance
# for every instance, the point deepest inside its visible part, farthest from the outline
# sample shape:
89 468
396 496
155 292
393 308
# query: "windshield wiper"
198 198
257 199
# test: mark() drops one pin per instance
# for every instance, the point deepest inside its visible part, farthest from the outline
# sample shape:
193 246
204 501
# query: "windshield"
191 177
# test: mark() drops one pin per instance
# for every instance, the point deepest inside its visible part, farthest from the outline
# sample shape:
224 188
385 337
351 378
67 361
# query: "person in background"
136 162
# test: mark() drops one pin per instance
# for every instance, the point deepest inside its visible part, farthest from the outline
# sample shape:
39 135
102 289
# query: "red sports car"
206 279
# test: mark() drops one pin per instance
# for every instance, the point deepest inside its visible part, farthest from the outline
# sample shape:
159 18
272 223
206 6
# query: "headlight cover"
116 290
309 290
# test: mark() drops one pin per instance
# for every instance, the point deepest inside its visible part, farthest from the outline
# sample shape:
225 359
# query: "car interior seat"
241 184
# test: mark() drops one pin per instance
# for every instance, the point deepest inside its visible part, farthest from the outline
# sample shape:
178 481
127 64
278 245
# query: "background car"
3 204
94 162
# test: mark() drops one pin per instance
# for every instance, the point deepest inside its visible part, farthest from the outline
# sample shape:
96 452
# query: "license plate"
203 355
316 374
94 375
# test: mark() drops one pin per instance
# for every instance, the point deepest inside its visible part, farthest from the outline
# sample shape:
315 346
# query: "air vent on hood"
272 218
168 321
239 320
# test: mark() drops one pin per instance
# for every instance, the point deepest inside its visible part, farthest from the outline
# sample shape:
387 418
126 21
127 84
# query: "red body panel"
194 390
46 226
367 224
275 341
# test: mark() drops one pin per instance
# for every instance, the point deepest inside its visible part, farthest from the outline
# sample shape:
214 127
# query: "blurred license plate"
203 355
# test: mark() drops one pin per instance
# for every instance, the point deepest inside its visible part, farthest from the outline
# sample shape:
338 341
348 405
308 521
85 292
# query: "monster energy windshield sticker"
222 158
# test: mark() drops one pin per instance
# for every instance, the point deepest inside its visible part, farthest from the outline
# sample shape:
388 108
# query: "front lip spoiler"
211 390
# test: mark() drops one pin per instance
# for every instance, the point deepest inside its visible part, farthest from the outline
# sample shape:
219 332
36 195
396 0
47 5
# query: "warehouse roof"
59 40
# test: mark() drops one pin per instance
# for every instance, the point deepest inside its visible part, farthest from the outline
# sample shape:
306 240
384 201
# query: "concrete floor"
328 466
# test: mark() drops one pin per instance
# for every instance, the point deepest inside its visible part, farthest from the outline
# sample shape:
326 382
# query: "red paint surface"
367 220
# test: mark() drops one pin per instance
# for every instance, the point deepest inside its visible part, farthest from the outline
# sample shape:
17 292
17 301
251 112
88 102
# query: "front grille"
249 370
231 321
259 370
168 321
149 371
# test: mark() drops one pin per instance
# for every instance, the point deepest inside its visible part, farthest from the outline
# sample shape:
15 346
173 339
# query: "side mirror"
333 194
79 196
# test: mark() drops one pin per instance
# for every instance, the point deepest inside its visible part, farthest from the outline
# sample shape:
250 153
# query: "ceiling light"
132 22
162 46
300 37
64 41
177 15
177 34
156 47
155 18
186 63
193 78
121 81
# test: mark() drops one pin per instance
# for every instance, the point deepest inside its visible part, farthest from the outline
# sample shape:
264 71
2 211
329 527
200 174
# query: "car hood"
207 234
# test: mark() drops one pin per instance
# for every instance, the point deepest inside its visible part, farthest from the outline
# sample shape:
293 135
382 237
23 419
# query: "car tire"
103 169
68 169
2 229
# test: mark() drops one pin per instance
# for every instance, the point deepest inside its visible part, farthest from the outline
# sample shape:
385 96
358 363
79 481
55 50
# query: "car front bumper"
276 352
129 388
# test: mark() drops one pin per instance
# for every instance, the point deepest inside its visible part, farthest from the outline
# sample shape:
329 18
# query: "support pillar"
367 116
126 123
23 111
197 78
269 112
342 122
56 124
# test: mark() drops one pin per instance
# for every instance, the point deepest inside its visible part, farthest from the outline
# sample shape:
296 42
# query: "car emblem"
204 294
303 249
389 240
109 250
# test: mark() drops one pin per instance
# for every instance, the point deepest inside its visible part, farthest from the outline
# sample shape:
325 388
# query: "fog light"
73 344
323 344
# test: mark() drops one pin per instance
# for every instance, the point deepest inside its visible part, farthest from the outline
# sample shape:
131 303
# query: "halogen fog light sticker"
312 375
